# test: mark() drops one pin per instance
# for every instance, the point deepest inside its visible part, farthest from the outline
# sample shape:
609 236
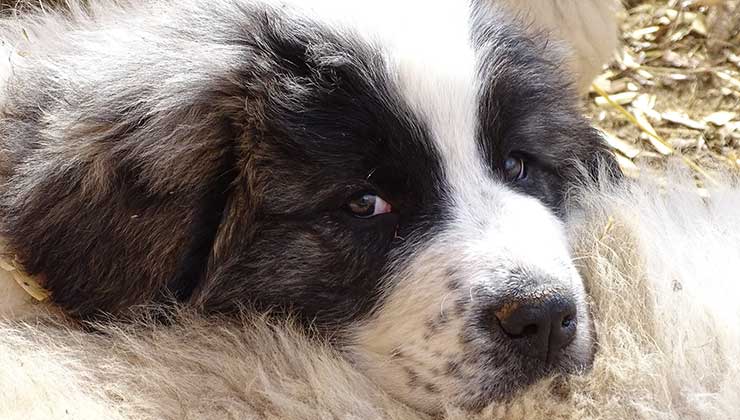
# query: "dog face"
394 181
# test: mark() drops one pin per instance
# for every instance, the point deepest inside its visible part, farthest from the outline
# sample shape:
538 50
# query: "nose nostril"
539 328
528 330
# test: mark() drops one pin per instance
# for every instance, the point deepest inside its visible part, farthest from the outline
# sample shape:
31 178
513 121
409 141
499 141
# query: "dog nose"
539 327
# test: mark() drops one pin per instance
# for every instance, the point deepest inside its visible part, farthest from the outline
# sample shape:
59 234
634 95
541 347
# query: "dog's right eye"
367 205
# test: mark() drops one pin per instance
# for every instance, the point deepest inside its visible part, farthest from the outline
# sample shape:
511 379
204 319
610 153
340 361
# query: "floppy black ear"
112 215
115 166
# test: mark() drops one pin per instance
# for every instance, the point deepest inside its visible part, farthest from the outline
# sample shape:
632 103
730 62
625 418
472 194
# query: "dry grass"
678 75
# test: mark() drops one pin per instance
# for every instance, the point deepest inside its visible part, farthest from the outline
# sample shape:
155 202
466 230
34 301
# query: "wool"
660 264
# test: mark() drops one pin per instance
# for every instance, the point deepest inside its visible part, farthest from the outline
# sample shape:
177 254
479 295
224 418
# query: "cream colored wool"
662 270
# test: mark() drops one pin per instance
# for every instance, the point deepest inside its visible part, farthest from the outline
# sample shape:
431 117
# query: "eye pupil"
364 205
514 169
368 205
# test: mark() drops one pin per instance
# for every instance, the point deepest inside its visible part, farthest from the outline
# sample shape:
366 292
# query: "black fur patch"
528 110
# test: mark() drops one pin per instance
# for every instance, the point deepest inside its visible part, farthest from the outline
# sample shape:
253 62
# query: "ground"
678 74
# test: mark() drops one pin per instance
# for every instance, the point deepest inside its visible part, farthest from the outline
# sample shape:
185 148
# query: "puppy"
391 175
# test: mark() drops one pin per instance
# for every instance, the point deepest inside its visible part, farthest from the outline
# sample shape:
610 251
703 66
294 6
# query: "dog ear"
114 179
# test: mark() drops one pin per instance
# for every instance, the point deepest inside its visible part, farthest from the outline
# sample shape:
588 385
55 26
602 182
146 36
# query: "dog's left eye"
515 168
368 205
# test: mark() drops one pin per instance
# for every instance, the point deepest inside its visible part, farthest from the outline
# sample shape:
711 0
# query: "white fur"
665 352
7 57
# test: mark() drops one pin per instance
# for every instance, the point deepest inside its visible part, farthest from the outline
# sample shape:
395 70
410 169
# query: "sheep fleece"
661 267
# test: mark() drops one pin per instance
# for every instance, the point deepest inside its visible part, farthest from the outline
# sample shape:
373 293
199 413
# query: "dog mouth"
496 385
469 368
493 365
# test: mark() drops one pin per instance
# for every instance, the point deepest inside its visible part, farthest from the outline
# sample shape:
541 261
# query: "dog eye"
368 205
514 169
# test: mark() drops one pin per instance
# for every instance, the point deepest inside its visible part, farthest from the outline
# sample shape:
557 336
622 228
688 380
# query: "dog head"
394 179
